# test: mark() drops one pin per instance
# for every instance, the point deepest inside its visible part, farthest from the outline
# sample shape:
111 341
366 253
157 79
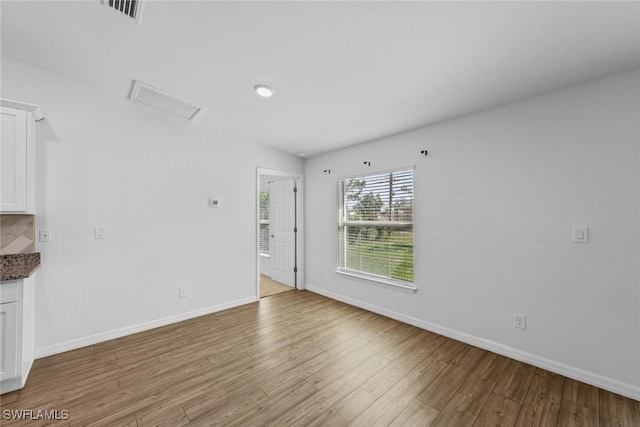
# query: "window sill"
407 288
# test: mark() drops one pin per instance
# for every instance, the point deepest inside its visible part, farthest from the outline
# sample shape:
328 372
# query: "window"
264 223
375 227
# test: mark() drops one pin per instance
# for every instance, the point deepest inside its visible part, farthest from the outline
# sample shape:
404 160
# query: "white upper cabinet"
18 156
13 160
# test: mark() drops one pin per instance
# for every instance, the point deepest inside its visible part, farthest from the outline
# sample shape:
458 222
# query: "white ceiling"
343 72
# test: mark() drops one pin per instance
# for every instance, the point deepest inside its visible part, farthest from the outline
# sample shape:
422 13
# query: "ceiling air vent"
130 8
151 97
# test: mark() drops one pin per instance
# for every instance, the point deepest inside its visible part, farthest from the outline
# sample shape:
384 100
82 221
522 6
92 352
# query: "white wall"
105 161
495 203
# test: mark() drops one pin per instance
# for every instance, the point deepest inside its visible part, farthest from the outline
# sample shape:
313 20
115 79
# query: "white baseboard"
587 377
26 370
18 382
140 327
11 385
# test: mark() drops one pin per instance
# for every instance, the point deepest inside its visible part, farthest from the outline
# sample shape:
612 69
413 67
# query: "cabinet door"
13 160
8 340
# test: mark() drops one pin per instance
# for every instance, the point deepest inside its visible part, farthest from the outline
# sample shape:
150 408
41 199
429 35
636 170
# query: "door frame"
299 237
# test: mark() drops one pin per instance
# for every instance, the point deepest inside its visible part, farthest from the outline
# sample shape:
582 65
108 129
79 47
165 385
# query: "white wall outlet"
182 292
44 235
101 232
214 203
580 234
520 321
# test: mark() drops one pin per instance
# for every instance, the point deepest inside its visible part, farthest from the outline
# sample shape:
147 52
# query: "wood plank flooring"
270 287
300 359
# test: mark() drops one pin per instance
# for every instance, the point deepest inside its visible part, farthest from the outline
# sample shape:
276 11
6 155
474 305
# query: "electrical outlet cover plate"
100 232
520 321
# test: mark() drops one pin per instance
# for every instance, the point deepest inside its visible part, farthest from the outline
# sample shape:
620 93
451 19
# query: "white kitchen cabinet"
13 159
17 336
17 159
9 344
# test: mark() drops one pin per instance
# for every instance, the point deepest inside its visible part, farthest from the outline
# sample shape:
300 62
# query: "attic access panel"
151 97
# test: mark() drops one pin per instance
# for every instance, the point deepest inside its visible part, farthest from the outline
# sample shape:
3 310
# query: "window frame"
342 222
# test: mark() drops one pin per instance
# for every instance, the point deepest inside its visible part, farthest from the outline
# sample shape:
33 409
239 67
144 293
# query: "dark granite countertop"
18 266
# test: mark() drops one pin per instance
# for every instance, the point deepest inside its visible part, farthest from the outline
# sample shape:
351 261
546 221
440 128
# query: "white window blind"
264 222
375 226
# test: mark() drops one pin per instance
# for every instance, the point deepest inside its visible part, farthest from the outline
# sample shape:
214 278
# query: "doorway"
279 232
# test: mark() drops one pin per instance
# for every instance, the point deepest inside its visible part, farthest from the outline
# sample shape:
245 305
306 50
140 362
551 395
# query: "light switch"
581 234
101 232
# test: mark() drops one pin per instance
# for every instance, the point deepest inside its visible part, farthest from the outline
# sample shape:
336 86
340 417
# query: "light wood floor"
301 359
270 287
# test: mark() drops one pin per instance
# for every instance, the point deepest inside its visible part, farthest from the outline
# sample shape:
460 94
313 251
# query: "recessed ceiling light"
300 153
263 91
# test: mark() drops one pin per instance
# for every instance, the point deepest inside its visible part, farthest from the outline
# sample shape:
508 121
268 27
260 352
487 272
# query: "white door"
13 161
281 227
